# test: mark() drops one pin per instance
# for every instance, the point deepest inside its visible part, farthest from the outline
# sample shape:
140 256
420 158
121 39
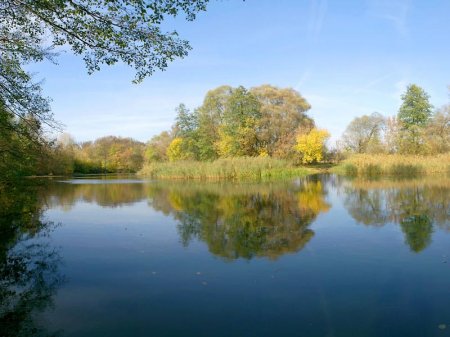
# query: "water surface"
319 256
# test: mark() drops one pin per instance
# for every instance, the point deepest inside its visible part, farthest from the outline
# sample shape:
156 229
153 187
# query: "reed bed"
244 168
394 165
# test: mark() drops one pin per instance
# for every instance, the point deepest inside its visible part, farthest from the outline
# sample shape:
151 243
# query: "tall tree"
414 114
210 116
238 130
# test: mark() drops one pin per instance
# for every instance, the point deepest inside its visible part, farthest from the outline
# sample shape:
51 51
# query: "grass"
393 165
244 168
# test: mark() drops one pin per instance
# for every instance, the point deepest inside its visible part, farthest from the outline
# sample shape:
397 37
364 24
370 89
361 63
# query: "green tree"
414 114
238 130
210 118
186 127
156 148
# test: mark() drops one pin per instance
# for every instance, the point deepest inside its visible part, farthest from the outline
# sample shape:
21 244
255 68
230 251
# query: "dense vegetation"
416 130
414 142
264 122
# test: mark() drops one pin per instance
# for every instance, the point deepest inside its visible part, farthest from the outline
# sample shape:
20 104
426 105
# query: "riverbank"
244 168
393 165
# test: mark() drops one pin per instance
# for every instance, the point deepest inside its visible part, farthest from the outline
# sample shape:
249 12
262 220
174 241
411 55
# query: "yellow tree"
312 145
175 150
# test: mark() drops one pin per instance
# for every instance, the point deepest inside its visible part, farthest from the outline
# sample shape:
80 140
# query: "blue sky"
347 58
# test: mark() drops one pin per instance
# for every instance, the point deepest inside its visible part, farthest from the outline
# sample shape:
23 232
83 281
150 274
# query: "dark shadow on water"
29 265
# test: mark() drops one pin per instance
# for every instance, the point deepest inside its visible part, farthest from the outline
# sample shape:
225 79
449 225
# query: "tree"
156 148
283 112
102 32
175 150
311 146
363 134
437 132
414 114
238 130
210 117
186 127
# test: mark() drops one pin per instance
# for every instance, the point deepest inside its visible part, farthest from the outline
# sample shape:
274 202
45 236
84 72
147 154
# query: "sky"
346 57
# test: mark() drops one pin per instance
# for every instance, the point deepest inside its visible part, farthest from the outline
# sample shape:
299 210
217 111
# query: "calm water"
321 256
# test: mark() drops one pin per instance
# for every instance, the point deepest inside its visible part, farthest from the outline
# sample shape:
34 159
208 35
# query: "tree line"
417 129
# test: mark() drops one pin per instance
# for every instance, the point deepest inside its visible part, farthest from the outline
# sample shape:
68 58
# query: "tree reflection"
29 275
244 221
104 194
416 205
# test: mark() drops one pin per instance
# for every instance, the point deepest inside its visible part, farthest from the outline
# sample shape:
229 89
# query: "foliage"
283 113
103 33
235 122
413 115
311 146
156 148
109 154
363 134
414 131
175 150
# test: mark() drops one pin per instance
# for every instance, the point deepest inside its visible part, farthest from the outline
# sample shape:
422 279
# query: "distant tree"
185 122
363 134
311 146
437 132
156 148
413 115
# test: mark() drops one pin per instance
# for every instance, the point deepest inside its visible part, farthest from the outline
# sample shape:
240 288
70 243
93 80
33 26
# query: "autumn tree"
363 134
175 150
437 132
156 148
311 146
283 112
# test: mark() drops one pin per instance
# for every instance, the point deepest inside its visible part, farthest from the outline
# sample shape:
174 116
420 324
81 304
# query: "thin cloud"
394 11
317 13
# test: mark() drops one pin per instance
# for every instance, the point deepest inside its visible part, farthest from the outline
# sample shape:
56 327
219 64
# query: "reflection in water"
29 273
416 205
244 221
235 221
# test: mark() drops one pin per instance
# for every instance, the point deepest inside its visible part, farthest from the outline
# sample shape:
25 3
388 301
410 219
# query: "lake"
316 256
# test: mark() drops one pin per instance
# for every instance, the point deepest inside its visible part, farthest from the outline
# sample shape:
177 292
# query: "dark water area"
317 256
